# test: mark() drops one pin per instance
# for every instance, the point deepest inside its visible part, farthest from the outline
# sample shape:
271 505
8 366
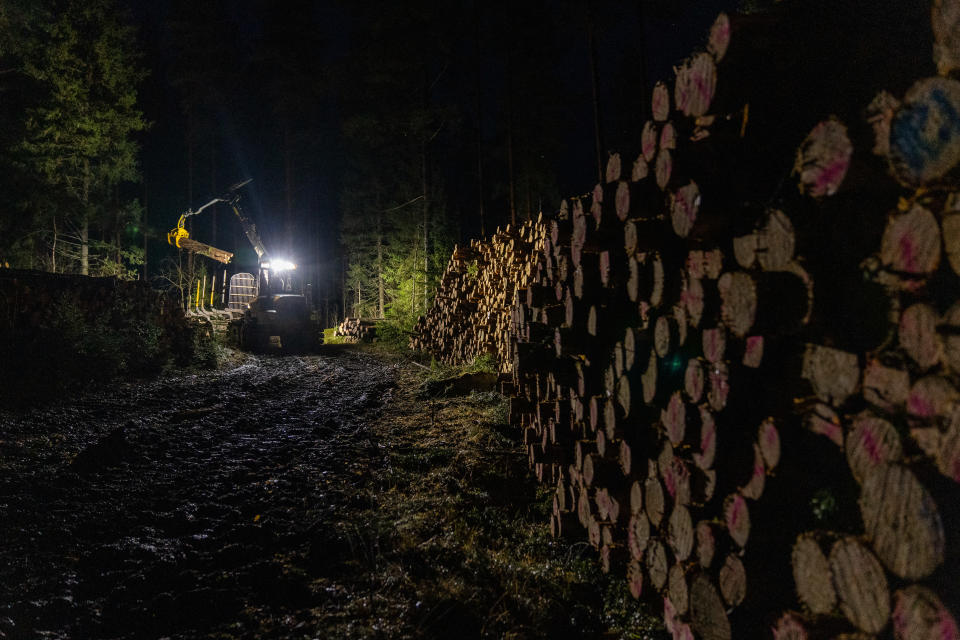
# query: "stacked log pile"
471 316
357 330
59 330
721 399
30 299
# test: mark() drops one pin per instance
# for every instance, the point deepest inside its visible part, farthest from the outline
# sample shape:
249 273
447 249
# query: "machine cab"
279 277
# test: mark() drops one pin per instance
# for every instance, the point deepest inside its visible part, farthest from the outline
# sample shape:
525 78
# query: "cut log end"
768 437
902 521
918 614
708 616
678 591
680 532
733 580
635 578
833 374
811 575
911 242
736 515
823 159
861 585
924 132
872 441
638 535
657 564
660 102
719 39
695 84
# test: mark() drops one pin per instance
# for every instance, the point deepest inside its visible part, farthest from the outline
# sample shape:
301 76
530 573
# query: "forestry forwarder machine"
275 308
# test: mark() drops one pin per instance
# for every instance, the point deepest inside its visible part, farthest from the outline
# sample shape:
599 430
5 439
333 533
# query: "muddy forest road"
186 507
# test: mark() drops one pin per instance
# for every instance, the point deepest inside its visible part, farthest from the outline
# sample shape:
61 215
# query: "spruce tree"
79 136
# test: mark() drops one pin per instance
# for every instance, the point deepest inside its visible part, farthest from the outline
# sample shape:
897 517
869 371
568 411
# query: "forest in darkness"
377 135
594 293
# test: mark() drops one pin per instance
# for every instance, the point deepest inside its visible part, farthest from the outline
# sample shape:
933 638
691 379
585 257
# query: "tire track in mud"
195 506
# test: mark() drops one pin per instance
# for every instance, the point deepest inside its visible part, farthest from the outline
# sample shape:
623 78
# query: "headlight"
279 265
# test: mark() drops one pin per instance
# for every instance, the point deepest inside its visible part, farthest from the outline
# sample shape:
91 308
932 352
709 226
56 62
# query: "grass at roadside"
449 537
330 338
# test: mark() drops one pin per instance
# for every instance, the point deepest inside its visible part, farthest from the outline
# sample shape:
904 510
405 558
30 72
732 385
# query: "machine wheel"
293 343
250 339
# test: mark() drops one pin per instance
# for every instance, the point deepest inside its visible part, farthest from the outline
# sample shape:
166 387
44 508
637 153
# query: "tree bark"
53 249
381 294
85 222
213 187
145 223
288 186
426 227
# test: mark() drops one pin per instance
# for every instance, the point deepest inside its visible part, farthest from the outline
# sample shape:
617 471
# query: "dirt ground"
320 496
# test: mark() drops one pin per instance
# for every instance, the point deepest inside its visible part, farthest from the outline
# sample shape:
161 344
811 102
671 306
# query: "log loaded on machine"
271 305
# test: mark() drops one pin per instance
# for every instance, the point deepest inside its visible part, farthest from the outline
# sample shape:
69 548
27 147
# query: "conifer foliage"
72 136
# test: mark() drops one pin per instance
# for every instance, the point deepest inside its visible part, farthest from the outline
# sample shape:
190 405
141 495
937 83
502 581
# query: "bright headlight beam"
280 265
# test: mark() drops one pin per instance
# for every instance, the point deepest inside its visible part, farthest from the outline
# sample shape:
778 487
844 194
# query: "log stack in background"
357 330
30 300
471 313
60 332
750 410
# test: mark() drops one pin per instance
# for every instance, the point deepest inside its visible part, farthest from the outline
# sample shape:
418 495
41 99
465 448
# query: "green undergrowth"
438 370
329 338
452 537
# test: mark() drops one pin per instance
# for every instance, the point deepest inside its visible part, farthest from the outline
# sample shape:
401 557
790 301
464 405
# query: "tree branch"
401 206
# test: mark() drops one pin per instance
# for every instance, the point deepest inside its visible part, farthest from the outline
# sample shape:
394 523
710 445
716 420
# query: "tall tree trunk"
343 284
53 251
416 261
146 209
85 222
190 143
85 245
426 202
380 291
592 50
288 185
317 278
117 234
426 230
213 188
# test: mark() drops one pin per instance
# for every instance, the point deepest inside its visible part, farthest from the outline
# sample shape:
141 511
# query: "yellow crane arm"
180 238
178 233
